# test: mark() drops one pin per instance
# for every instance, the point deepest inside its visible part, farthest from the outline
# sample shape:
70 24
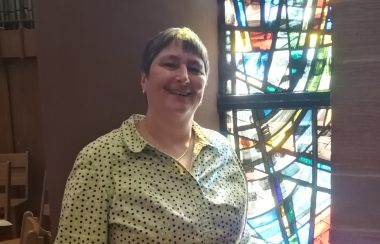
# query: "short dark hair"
190 42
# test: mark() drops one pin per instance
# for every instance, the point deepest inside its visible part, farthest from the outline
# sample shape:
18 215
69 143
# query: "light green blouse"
122 190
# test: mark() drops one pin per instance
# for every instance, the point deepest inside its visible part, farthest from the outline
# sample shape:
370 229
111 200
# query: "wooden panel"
356 202
5 175
6 138
355 236
30 43
11 44
24 91
19 167
18 43
18 159
356 117
19 176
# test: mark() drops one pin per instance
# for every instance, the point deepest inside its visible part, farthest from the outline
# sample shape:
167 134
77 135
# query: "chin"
182 110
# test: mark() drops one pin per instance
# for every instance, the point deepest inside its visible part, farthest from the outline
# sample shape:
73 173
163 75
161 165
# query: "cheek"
200 85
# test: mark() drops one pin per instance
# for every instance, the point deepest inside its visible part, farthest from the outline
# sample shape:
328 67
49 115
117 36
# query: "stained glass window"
274 105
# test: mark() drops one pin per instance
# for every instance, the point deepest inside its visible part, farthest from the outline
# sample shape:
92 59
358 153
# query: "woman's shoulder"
114 139
104 149
212 137
105 142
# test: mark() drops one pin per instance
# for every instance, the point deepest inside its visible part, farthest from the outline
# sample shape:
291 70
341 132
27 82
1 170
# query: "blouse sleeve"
85 206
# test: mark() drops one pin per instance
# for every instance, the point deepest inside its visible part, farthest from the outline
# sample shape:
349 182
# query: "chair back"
5 182
44 205
19 173
31 231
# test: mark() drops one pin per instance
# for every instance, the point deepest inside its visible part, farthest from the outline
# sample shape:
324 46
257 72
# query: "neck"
168 129
170 135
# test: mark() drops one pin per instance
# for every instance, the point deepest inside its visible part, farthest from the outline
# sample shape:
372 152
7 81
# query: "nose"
182 74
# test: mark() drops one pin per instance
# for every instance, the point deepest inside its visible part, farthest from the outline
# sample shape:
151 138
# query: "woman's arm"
84 214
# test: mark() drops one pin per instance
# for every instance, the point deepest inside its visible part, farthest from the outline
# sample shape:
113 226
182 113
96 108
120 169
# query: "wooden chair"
18 182
44 205
6 227
31 232
5 182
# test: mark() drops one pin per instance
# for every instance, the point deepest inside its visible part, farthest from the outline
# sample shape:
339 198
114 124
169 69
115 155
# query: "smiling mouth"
180 93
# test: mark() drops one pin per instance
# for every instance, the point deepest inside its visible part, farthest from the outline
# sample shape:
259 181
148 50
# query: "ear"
143 81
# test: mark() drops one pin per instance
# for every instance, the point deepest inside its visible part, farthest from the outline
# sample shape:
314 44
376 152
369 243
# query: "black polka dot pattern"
122 190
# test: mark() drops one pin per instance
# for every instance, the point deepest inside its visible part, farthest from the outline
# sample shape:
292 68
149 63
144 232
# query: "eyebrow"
197 61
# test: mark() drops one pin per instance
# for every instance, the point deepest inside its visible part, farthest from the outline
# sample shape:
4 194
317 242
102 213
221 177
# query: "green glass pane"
297 39
320 71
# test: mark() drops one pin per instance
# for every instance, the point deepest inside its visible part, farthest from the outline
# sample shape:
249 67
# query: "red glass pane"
261 40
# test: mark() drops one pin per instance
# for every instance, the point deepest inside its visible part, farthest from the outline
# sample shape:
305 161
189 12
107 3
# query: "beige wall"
89 53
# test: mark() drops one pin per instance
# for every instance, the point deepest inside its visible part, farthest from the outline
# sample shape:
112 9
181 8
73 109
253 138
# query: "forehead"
176 49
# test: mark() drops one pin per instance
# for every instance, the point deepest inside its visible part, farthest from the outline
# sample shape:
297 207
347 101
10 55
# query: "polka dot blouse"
122 190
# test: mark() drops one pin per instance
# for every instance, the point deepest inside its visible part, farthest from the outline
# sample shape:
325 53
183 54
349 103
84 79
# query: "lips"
179 92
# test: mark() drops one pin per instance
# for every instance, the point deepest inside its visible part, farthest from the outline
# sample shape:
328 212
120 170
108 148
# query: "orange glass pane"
245 143
322 227
261 40
324 238
318 13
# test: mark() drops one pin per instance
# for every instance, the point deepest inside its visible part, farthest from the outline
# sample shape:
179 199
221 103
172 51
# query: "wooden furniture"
5 182
6 230
6 227
31 232
18 189
44 205
14 241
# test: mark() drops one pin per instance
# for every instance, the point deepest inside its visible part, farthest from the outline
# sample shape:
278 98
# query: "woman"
159 178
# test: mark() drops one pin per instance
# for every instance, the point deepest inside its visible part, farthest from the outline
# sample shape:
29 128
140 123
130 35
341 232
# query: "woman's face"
176 81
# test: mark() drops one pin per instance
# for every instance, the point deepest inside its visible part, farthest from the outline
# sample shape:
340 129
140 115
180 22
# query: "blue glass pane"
267 225
303 134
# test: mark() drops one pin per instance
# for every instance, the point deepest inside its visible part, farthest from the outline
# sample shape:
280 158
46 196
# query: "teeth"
181 93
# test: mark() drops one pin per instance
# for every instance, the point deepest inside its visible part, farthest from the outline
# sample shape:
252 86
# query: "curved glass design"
273 46
279 50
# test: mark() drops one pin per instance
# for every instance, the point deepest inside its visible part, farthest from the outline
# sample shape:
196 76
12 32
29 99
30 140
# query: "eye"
195 70
170 65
